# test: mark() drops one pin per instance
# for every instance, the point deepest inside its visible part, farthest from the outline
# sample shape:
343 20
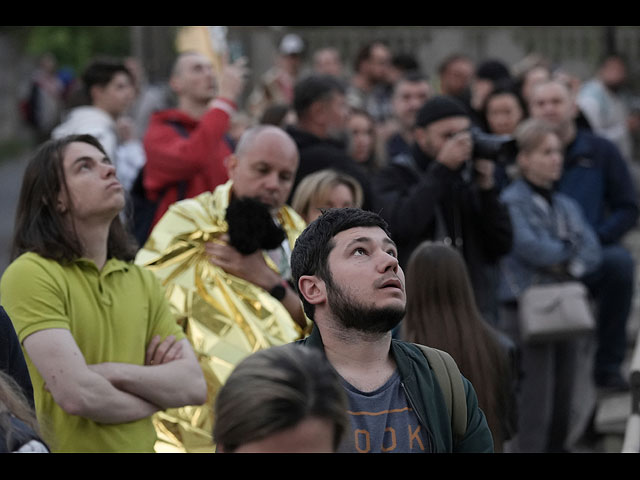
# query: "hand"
253 268
233 78
162 351
485 170
125 129
456 150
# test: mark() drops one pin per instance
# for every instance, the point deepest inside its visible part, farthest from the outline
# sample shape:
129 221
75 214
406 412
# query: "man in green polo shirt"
103 349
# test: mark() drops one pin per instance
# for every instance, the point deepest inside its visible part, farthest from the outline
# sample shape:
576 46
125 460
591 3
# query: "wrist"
279 290
225 104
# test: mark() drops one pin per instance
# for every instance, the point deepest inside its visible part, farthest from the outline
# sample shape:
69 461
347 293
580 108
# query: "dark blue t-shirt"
382 421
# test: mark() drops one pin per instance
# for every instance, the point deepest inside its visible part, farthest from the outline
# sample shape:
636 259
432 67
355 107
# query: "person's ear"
61 203
61 207
522 160
312 289
231 162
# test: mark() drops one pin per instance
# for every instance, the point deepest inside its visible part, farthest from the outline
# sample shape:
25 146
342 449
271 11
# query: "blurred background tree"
73 46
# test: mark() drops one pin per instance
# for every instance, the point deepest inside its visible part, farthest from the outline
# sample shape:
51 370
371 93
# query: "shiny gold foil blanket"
224 317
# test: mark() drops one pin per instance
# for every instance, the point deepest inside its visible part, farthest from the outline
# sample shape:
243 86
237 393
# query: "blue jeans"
611 286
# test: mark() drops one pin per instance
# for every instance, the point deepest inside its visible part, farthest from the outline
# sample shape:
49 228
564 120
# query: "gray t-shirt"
382 421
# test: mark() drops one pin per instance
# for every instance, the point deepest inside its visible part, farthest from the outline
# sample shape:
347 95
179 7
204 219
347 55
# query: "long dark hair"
39 227
442 313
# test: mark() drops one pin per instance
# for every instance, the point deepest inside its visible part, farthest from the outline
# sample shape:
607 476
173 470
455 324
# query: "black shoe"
612 382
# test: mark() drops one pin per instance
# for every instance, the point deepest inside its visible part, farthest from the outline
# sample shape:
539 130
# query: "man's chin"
376 321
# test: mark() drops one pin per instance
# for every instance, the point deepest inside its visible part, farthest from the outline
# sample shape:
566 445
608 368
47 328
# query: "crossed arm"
116 392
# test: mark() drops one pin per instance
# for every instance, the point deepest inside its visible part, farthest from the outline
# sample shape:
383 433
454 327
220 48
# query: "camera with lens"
498 148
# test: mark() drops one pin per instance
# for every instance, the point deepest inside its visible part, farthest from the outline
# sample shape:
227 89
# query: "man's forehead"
549 90
450 125
190 60
372 233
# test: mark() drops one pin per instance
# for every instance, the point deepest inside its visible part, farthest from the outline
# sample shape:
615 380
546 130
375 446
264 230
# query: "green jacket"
427 400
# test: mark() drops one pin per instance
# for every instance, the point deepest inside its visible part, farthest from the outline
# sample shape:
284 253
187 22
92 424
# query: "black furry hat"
251 226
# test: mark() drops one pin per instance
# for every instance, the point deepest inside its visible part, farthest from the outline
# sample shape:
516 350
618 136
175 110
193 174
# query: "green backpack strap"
450 381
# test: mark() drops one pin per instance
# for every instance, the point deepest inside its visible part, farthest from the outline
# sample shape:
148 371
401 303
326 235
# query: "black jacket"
322 153
422 199
12 360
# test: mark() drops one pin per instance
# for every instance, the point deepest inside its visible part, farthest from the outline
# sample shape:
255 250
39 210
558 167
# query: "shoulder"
30 265
516 190
401 169
596 147
567 203
409 355
170 117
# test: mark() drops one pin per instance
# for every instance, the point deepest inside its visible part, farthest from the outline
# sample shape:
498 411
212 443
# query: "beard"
354 315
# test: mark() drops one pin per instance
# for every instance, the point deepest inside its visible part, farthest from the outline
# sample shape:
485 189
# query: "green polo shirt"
112 314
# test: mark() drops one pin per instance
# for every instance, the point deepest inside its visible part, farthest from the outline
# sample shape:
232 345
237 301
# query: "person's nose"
108 170
388 262
271 182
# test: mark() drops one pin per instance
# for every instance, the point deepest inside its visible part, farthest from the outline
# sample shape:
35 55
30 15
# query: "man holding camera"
440 192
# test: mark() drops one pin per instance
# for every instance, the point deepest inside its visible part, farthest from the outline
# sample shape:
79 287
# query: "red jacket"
197 155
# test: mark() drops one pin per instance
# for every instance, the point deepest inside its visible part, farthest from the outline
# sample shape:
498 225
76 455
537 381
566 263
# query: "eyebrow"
87 157
369 240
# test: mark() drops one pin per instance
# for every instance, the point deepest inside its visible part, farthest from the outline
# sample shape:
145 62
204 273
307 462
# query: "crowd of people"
215 276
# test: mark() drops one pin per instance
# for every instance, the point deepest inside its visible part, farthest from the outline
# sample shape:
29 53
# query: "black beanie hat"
438 108
493 70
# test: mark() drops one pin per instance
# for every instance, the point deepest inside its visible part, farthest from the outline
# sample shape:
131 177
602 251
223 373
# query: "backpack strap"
450 380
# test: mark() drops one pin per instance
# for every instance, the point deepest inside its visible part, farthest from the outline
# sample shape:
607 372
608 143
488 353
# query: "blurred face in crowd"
503 112
194 78
432 138
327 62
265 168
378 64
361 136
613 73
407 99
339 195
551 101
334 113
542 165
457 77
532 78
116 96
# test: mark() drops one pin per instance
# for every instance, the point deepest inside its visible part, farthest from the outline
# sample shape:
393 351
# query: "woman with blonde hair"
552 242
325 189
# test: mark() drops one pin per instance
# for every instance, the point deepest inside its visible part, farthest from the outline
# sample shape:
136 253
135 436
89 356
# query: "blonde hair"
531 133
317 186
14 403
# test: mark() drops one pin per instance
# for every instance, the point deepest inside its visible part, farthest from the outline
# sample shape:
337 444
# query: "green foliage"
74 46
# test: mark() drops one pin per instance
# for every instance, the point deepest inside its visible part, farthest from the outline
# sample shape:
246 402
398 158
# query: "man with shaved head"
223 258
185 146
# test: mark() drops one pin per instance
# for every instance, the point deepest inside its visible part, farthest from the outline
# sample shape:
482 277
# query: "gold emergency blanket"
224 317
